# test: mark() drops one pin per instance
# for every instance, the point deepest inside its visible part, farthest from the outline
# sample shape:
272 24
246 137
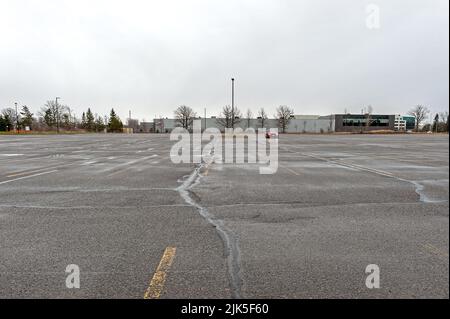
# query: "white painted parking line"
11 155
14 174
30 176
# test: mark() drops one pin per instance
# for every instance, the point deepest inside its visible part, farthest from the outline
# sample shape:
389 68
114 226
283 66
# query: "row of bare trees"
51 116
440 121
230 117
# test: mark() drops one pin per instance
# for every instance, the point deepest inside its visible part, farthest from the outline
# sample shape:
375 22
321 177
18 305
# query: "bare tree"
262 116
184 116
228 118
67 117
420 113
284 115
248 117
444 121
9 114
52 113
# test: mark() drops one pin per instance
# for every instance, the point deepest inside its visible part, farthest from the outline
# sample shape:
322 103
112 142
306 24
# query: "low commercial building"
164 125
298 123
132 125
305 125
311 125
305 117
400 124
405 123
146 127
363 122
410 122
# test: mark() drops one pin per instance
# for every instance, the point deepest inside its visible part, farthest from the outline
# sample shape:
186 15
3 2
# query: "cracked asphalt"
111 204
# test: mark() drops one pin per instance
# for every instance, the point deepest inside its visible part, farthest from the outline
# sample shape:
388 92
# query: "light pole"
436 122
205 120
232 103
17 119
57 115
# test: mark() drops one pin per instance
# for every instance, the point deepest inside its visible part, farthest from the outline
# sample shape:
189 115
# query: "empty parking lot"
112 204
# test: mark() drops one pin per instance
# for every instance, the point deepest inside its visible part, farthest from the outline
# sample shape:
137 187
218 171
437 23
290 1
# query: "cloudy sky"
317 56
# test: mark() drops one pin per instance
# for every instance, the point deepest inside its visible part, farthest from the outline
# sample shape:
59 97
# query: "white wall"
295 126
311 126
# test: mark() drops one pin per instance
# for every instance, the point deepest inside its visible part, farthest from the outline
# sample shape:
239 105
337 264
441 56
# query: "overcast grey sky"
317 56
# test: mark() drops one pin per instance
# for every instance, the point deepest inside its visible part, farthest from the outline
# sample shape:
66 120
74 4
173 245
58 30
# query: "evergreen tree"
27 117
115 124
83 121
65 121
3 124
49 118
99 124
436 123
90 121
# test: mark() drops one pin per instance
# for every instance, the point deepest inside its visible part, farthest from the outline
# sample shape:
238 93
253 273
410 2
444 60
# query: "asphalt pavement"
112 204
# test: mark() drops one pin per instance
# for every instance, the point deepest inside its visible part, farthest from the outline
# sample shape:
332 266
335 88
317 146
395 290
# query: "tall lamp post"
57 115
205 120
17 119
232 103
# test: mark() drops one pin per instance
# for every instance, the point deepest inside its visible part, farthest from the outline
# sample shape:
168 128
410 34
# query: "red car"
271 135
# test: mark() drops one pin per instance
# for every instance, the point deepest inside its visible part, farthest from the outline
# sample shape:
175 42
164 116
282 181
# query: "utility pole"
436 122
205 120
57 115
232 103
17 119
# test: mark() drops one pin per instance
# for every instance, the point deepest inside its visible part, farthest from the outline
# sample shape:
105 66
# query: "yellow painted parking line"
156 286
207 167
435 250
27 172
291 170
25 177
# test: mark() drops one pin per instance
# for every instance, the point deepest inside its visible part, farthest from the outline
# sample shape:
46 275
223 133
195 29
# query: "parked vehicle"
271 135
